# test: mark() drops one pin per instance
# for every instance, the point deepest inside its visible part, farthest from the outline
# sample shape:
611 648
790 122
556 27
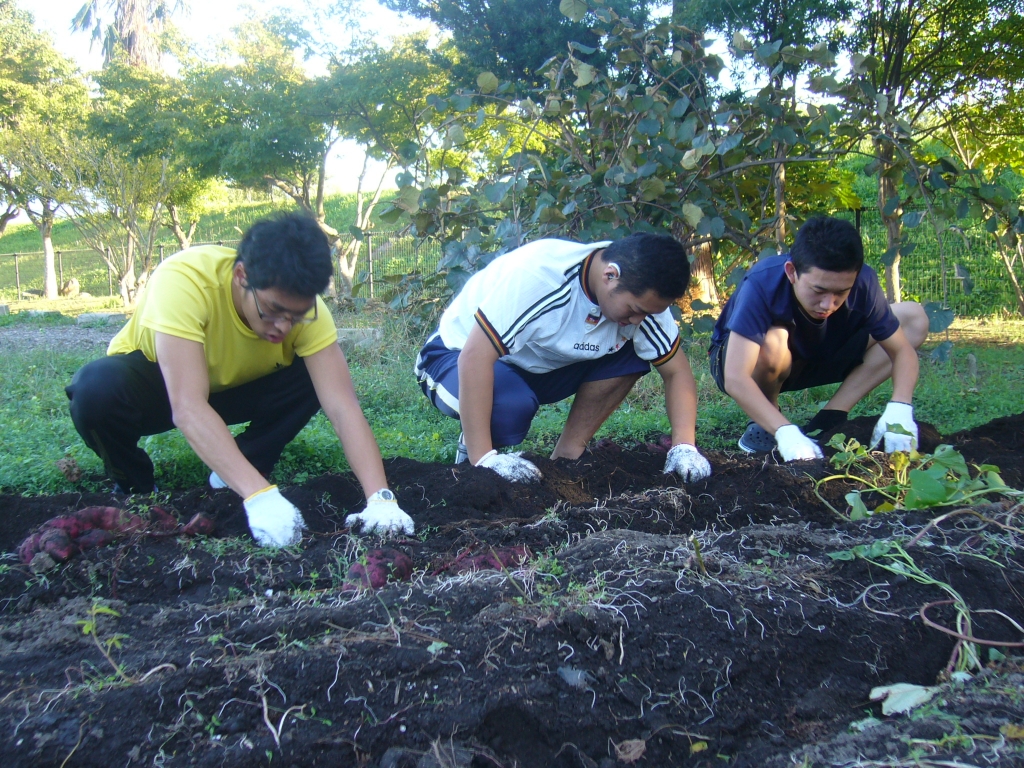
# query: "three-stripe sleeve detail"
492 335
664 346
557 299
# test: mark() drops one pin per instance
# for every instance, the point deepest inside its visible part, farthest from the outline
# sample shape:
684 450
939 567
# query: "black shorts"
824 369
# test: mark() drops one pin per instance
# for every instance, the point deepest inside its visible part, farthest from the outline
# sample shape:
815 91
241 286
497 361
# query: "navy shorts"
517 393
824 369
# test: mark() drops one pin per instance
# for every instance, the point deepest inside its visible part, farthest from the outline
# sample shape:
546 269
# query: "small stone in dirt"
41 563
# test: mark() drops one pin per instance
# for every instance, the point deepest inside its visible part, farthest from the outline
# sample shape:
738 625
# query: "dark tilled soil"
653 624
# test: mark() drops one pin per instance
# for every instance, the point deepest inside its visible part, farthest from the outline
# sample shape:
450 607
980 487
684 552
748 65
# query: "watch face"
385 495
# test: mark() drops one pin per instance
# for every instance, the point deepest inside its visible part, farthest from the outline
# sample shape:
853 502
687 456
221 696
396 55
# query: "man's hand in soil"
382 515
511 466
794 445
685 460
900 415
273 520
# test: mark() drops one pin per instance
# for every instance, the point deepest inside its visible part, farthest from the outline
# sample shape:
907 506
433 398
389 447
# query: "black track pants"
118 399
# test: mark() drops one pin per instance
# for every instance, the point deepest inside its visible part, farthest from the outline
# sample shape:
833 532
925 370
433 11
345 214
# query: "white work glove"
903 415
273 520
382 515
511 466
794 445
685 460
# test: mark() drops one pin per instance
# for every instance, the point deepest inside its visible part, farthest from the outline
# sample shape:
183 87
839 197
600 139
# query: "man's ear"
239 274
791 272
611 271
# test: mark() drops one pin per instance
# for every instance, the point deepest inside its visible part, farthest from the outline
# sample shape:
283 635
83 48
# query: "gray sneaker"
756 440
461 454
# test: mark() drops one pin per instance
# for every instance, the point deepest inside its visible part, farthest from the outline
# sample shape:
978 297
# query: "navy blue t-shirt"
765 298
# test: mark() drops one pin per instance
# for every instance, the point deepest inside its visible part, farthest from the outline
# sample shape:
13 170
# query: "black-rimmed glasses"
288 317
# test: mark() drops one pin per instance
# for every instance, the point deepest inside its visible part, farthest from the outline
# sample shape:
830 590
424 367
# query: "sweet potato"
97 537
199 525
378 568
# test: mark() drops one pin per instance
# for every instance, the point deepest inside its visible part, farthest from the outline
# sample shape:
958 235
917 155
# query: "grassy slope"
38 431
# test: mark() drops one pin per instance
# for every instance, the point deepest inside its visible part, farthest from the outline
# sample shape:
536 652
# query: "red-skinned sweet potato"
57 544
28 549
199 525
379 567
162 520
97 537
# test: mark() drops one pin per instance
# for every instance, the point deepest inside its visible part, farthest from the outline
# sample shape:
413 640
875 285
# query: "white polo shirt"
534 305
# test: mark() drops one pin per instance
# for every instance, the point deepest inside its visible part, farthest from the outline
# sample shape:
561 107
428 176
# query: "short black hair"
827 243
650 262
288 251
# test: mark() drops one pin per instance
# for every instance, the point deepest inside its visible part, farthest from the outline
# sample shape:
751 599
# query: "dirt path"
622 620
63 338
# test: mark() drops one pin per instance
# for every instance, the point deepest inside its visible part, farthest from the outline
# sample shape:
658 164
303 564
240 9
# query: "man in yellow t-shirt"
223 337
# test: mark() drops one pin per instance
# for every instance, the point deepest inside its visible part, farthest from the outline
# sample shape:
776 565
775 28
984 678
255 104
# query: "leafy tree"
633 146
772 24
512 38
117 206
134 30
261 120
918 57
376 96
986 129
148 114
42 102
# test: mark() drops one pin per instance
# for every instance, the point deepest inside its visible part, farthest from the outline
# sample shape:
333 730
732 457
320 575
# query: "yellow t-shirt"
189 296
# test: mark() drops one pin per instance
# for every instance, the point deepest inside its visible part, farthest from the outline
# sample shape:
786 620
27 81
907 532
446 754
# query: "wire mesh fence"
381 255
22 274
384 255
975 279
979 287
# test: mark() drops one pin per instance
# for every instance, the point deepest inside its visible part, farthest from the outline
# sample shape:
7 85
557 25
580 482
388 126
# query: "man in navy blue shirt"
817 316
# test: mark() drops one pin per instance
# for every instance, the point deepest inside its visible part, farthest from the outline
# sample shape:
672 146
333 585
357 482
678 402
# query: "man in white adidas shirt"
553 319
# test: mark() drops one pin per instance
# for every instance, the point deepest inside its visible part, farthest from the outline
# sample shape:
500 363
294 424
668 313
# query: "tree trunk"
184 238
1008 263
50 288
126 281
702 275
887 190
347 260
779 182
6 216
42 218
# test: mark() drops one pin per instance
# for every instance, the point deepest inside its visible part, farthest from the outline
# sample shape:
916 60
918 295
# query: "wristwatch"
382 495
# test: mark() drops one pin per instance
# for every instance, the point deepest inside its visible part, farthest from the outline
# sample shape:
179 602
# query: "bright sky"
206 23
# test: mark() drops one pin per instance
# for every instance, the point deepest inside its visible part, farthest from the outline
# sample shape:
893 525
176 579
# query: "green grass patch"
38 431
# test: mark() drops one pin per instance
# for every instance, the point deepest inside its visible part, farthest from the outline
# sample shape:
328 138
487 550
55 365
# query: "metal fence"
384 255
22 274
381 255
921 273
387 254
